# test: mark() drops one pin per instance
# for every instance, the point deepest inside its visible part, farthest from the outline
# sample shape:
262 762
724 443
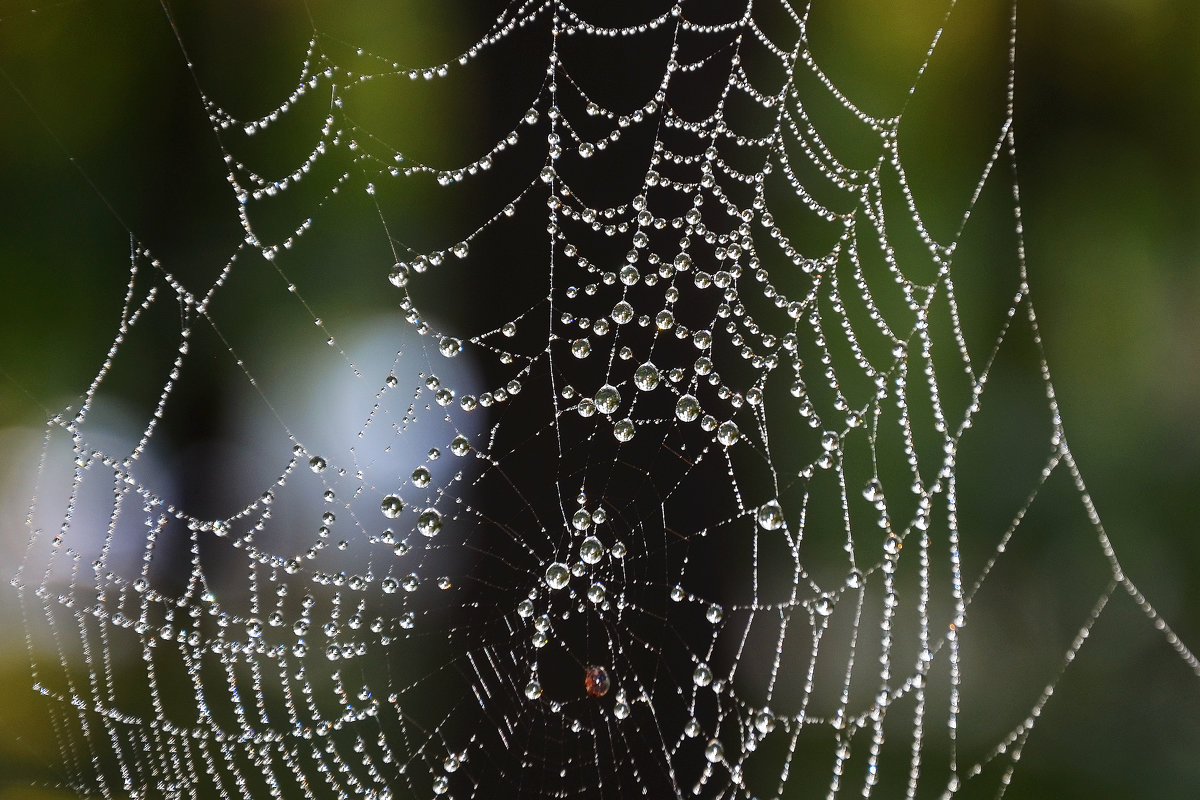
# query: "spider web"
652 482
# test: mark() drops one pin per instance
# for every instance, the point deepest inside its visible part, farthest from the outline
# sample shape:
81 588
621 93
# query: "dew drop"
533 689
317 464
715 751
430 522
581 520
622 313
687 409
608 399
449 346
728 433
646 377
557 575
702 675
770 516
460 446
596 681
591 550
623 430
596 592
581 348
421 477
391 506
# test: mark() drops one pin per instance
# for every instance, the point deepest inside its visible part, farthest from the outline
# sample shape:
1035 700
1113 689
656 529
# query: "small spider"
595 681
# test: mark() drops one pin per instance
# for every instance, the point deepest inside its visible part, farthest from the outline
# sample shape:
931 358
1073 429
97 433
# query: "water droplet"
629 275
770 516
596 592
581 348
714 613
608 399
557 575
683 262
664 321
829 441
525 609
687 409
449 346
618 550
591 550
399 275
316 464
622 313
533 689
441 784
624 430
715 751
702 675
421 477
596 681
389 585
460 446
728 433
646 377
587 149
391 506
764 721
621 710
451 763
430 522
873 491
581 519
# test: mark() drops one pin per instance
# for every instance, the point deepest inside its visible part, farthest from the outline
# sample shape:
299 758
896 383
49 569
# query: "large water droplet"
687 409
421 477
715 751
591 550
533 689
430 522
581 348
728 433
391 506
646 377
770 516
702 675
557 575
608 399
622 313
624 430
450 347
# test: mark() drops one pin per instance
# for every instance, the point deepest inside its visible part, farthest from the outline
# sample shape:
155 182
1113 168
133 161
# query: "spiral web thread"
711 467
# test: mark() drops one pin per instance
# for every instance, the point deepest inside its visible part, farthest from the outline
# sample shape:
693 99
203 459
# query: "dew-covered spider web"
664 470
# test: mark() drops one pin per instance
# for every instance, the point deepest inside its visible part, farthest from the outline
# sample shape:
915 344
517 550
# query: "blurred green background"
103 136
